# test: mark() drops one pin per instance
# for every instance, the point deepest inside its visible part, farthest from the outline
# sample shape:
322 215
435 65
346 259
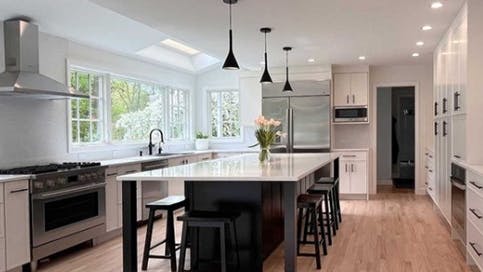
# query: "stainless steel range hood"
21 76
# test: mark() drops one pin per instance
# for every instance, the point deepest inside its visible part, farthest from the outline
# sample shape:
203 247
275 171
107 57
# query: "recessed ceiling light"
420 43
181 47
362 57
426 27
436 5
415 55
311 60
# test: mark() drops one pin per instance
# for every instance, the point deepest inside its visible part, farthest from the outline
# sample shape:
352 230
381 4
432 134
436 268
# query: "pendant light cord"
230 15
286 64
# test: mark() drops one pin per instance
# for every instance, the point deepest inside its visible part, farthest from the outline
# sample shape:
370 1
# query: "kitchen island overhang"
265 194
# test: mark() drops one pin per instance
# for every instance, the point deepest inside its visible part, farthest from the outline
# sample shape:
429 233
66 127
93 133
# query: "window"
86 113
134 107
224 113
137 107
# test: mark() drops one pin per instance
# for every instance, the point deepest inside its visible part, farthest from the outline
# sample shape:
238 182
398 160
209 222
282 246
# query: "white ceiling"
331 31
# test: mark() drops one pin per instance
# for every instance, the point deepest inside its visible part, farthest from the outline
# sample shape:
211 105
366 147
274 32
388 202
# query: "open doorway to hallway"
396 138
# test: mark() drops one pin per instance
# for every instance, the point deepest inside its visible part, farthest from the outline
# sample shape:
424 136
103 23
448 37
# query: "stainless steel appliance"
350 114
458 203
21 76
67 205
304 113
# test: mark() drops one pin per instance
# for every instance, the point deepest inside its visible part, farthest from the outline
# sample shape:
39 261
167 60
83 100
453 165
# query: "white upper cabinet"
351 89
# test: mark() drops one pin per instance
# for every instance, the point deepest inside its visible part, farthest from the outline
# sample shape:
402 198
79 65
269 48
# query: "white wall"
405 75
35 131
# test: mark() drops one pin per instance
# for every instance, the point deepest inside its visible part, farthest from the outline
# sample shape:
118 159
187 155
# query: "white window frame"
222 139
107 143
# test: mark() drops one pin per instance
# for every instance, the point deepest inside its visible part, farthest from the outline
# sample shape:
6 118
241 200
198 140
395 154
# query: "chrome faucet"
151 145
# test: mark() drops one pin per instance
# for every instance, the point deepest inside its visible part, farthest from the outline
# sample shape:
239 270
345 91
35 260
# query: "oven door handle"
459 186
69 191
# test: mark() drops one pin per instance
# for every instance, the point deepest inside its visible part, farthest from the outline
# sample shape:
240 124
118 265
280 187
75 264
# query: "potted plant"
202 142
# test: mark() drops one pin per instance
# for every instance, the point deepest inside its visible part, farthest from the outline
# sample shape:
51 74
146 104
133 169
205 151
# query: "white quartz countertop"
6 178
177 154
282 167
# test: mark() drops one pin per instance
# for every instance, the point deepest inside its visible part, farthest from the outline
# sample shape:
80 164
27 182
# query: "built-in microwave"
350 114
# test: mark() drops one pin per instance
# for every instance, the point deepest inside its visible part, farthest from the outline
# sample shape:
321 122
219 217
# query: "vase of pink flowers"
266 133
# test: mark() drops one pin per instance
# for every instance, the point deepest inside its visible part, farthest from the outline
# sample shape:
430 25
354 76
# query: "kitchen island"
264 194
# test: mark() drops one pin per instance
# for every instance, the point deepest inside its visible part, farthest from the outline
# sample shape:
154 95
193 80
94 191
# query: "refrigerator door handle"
291 143
288 131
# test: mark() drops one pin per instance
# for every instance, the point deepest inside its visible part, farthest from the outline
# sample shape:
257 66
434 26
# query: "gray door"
311 120
277 108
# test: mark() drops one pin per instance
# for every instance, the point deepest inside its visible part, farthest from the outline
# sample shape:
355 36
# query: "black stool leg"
316 237
170 240
339 212
333 221
321 223
147 242
327 218
235 240
299 229
182 253
306 226
222 247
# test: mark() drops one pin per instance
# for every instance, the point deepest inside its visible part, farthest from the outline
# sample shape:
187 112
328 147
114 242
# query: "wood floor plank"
394 231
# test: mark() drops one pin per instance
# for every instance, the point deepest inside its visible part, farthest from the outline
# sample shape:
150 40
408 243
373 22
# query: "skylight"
180 47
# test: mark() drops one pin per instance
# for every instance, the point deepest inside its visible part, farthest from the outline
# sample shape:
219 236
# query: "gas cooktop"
48 168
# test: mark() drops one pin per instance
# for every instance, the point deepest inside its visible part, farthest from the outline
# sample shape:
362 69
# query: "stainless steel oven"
458 203
350 114
61 213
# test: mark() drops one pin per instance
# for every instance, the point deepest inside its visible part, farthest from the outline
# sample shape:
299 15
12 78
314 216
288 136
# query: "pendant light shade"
230 62
266 78
287 87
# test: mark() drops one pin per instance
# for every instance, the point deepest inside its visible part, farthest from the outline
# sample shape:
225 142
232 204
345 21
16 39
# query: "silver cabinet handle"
473 211
353 99
352 167
347 99
112 174
349 156
346 167
19 190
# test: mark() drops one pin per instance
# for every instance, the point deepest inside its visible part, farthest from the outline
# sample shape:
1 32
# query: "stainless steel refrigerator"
304 113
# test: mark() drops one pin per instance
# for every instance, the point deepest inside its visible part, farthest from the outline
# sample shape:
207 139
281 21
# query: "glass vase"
264 155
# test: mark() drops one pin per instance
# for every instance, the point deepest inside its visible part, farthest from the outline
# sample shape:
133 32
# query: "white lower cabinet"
474 219
14 224
353 173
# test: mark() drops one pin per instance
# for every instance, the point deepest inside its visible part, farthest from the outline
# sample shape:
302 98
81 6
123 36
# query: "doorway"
396 138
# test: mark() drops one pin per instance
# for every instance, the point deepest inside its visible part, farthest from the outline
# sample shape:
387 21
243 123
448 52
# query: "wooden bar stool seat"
169 204
222 221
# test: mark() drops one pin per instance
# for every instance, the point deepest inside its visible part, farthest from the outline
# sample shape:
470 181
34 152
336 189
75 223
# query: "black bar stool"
310 209
326 191
169 204
335 182
208 219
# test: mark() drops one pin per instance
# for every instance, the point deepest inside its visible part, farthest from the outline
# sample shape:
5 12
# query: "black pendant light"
230 62
266 78
287 87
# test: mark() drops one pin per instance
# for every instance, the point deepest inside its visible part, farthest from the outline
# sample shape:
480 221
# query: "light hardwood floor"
394 231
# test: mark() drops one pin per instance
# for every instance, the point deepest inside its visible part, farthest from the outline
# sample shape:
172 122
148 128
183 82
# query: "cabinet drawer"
475 182
474 209
129 169
474 244
352 156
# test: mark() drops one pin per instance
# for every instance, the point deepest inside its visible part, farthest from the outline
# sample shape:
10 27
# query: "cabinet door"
459 137
358 182
345 177
359 89
112 220
342 89
17 224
